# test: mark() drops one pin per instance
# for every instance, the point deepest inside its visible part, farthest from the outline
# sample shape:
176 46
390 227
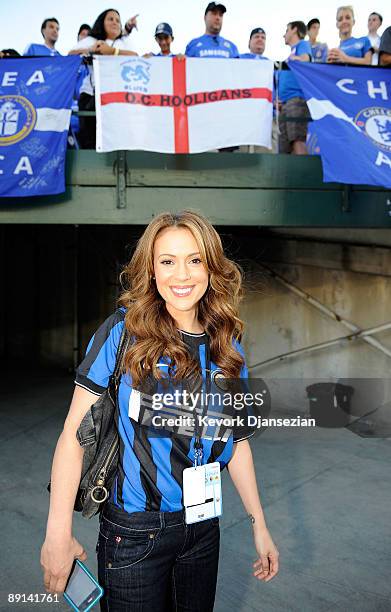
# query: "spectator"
374 22
106 38
50 29
351 50
82 73
9 53
257 44
84 31
385 48
319 49
293 134
211 44
164 37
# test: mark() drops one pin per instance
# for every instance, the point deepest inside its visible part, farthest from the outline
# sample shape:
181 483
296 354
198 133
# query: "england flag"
182 105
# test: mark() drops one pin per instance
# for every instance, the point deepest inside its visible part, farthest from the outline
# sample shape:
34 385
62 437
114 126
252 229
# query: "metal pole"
121 179
321 345
325 309
76 330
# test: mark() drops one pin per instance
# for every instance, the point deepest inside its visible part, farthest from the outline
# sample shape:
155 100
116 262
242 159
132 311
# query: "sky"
20 20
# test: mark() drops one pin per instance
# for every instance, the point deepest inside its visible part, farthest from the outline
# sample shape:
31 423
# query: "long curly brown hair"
149 322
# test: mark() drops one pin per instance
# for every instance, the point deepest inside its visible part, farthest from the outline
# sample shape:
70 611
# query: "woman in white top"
107 38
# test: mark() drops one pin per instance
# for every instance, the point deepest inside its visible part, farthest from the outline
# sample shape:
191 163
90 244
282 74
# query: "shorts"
291 131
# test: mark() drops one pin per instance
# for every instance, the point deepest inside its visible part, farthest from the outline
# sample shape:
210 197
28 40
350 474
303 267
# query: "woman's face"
112 25
181 275
345 22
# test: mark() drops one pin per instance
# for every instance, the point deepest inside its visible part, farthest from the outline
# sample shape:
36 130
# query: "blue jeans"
154 561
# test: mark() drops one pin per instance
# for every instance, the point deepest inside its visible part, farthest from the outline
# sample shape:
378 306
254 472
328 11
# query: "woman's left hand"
266 566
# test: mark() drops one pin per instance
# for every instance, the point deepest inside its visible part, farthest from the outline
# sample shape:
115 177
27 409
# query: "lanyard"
198 446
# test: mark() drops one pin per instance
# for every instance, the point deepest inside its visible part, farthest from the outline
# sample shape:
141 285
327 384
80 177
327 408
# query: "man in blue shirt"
256 45
50 29
293 134
211 44
319 49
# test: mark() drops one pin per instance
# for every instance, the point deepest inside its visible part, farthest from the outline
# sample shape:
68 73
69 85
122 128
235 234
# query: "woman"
181 296
351 50
106 38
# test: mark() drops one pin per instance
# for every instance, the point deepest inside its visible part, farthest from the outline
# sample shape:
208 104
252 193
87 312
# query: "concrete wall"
354 281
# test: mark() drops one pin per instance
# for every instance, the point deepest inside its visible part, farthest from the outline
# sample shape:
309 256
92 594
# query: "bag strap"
122 346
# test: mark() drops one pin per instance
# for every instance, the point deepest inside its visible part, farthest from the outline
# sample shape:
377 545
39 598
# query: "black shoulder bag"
98 435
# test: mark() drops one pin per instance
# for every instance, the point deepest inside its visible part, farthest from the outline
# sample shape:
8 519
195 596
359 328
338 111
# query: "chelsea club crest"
17 118
375 122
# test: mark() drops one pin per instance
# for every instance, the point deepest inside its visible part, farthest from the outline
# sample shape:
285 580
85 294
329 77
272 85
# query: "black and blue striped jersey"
149 475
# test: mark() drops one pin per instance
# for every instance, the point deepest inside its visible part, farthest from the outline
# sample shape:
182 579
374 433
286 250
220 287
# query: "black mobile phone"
82 590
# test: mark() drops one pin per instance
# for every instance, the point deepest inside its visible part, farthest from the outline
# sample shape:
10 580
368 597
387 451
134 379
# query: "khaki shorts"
291 131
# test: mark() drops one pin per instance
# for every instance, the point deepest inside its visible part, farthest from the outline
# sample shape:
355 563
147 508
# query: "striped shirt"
151 462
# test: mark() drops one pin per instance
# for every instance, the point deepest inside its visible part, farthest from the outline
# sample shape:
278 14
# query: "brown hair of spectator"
98 29
300 28
46 21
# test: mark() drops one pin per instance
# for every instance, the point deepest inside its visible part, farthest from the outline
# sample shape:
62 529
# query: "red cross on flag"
191 105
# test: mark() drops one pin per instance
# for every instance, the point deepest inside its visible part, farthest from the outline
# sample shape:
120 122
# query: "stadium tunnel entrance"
304 288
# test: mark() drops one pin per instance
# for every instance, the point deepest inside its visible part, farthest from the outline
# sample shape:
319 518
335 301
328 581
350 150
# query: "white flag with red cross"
189 105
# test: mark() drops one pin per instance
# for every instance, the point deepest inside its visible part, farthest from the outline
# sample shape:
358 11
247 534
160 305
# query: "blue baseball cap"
163 28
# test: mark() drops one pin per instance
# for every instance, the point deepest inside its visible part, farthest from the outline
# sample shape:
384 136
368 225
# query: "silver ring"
99 501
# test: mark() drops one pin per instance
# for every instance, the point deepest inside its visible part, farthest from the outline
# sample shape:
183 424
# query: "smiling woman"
351 50
106 38
158 545
185 281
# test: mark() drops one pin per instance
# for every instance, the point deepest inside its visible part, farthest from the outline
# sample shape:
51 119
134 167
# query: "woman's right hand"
57 556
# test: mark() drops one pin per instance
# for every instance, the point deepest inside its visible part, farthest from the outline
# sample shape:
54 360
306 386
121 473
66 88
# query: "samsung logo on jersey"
214 53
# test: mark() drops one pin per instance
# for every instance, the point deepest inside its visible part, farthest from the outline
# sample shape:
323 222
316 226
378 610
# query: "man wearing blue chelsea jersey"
256 45
50 30
319 49
211 44
293 134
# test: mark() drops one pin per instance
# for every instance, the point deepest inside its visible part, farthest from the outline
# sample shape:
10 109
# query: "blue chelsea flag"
351 111
35 109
